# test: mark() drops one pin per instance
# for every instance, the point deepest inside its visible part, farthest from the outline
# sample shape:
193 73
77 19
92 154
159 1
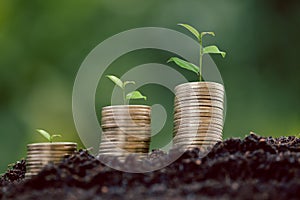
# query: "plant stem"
124 96
200 59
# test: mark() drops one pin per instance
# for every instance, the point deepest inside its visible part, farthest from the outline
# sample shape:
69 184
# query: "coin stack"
126 129
198 114
40 154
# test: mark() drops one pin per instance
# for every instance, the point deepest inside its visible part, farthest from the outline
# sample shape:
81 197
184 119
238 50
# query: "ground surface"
252 168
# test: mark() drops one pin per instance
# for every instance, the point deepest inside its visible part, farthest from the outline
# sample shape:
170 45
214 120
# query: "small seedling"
47 135
203 50
131 95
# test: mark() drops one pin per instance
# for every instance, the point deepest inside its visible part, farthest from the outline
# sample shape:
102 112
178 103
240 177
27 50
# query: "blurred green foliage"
42 44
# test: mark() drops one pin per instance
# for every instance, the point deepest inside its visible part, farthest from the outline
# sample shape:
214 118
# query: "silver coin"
128 146
120 107
38 156
197 111
126 110
137 150
201 84
209 85
133 139
126 140
125 120
200 94
42 160
52 144
201 116
191 122
188 97
185 131
195 99
199 97
107 142
125 143
198 124
29 175
197 114
197 107
145 133
35 171
201 89
124 128
52 152
197 119
199 145
199 104
51 149
193 137
123 152
196 134
190 92
48 155
143 155
125 125
118 116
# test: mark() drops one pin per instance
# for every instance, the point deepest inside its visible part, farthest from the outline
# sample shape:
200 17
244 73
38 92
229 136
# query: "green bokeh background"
43 43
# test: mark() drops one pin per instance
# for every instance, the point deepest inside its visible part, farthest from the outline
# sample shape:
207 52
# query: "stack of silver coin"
126 130
198 114
40 154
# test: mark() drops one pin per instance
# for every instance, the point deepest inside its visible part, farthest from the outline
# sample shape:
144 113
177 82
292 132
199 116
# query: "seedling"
203 50
131 95
46 135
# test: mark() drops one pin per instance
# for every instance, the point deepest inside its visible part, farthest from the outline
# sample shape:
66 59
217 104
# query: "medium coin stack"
198 114
40 154
126 129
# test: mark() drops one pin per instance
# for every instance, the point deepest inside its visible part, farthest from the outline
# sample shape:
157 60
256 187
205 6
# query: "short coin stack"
198 114
40 154
126 129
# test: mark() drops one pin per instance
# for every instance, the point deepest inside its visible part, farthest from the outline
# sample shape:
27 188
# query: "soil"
253 168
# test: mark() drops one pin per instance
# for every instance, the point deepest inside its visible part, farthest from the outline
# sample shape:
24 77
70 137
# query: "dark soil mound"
253 168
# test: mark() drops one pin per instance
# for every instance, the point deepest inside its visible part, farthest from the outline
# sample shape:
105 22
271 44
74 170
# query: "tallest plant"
203 50
198 106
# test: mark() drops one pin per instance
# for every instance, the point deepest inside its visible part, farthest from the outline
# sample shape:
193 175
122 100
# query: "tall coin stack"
126 129
40 154
198 114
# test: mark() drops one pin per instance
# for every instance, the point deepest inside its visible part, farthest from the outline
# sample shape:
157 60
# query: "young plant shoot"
47 135
131 95
203 50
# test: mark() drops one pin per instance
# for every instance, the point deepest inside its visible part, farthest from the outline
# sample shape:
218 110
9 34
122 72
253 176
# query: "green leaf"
45 134
213 49
116 80
191 29
184 64
128 82
135 95
54 136
207 33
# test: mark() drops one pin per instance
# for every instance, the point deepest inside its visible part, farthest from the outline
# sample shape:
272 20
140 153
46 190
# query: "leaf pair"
203 50
206 50
198 35
122 85
47 135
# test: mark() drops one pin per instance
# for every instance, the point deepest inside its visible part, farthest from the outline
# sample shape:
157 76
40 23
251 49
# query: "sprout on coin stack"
125 128
198 113
40 154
